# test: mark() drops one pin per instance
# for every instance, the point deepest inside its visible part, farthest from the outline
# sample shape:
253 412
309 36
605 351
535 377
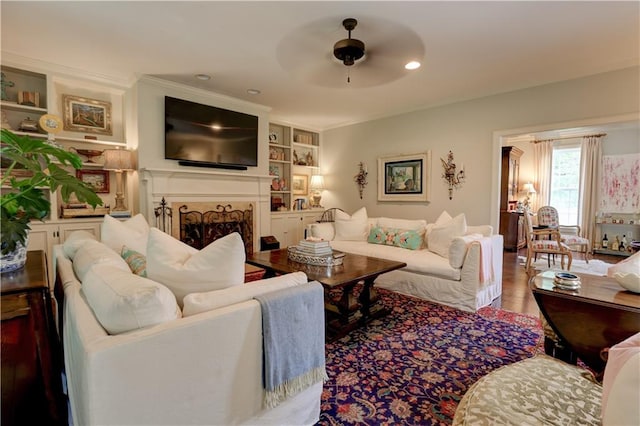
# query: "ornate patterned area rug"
413 366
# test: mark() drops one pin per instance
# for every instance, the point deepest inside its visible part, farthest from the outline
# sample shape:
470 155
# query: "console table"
596 316
26 294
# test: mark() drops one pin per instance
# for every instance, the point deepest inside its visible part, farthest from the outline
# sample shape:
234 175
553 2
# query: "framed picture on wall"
300 184
98 180
86 115
404 177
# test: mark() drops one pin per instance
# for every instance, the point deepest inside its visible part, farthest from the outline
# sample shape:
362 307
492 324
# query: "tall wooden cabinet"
511 223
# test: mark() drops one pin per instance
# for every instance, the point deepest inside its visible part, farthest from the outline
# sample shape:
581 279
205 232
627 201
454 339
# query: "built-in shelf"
12 106
613 252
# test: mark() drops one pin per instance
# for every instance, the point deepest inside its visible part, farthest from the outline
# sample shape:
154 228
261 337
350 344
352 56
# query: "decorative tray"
334 259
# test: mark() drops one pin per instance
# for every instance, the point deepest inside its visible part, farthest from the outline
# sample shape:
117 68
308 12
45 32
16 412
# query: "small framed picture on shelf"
86 115
273 137
300 184
98 180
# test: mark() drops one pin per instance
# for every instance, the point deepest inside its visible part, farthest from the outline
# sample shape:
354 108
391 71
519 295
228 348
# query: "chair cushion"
186 270
123 301
547 245
132 233
572 240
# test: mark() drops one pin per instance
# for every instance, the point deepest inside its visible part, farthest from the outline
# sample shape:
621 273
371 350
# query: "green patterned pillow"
376 236
407 239
137 261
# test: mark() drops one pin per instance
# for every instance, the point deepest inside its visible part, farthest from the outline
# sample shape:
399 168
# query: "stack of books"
314 248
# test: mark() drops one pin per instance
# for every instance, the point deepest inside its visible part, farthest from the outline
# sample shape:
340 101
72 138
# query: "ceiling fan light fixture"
203 77
349 50
412 65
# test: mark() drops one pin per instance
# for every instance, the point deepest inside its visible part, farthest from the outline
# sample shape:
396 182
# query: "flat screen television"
207 136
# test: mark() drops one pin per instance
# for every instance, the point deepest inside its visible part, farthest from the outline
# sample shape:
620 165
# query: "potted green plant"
33 166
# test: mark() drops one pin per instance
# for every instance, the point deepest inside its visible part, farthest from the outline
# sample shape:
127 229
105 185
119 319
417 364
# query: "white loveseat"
452 263
202 364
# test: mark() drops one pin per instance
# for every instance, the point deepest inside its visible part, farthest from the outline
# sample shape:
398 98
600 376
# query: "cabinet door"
43 237
67 228
286 229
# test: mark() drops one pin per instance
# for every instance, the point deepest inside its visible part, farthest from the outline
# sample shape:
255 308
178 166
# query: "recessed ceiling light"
253 91
413 65
203 77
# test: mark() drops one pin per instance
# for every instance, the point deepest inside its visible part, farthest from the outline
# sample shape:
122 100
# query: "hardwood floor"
516 295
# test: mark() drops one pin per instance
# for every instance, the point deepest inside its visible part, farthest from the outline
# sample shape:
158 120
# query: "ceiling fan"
389 46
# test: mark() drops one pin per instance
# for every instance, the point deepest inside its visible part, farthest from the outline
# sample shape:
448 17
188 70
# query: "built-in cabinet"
512 229
289 227
294 155
616 226
28 96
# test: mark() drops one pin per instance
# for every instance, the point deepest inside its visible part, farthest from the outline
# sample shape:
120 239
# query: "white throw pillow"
620 390
74 241
352 228
123 301
93 253
441 220
324 230
132 233
458 249
440 237
186 270
195 303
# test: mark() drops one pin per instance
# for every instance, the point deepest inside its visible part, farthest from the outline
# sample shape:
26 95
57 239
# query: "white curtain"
590 165
542 154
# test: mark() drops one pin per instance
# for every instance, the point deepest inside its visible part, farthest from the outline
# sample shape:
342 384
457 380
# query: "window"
565 183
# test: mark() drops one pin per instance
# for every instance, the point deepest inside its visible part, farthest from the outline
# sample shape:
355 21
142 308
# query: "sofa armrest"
471 266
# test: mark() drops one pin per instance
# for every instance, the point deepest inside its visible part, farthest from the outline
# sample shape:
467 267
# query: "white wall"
467 129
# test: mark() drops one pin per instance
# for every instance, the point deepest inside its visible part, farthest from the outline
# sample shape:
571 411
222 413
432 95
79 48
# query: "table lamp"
118 160
317 186
530 190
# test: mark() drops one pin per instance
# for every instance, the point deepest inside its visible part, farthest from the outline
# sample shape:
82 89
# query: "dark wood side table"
26 293
596 316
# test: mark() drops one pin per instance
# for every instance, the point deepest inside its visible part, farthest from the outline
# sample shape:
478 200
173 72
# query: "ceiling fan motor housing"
349 50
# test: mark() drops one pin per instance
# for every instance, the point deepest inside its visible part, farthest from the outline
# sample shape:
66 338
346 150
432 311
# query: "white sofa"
202 364
449 270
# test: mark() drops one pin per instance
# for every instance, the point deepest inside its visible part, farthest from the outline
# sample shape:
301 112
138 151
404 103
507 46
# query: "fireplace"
200 224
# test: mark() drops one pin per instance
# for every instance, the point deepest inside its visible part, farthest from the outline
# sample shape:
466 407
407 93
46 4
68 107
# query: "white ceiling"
284 49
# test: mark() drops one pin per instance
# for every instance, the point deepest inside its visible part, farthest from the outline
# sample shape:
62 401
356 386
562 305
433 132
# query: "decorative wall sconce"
454 178
361 177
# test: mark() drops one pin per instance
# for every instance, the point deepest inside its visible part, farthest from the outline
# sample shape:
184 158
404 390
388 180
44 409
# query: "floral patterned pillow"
408 239
137 261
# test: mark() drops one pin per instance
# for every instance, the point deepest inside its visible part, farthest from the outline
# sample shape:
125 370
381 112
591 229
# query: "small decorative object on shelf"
361 177
454 178
29 98
4 83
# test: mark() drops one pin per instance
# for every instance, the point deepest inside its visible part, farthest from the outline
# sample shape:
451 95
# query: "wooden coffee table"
596 316
350 298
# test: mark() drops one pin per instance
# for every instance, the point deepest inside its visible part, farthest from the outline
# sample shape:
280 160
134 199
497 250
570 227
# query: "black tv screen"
203 135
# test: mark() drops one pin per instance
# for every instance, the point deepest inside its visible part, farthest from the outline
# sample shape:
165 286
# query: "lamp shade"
529 188
317 183
118 159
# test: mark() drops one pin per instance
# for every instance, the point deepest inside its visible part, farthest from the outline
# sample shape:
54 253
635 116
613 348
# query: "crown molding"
156 81
18 61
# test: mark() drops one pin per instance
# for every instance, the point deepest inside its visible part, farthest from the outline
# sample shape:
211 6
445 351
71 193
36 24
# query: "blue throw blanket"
293 340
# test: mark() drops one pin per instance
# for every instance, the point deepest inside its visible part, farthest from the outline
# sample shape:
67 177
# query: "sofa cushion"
186 270
137 261
74 241
420 261
123 301
415 225
323 230
132 233
458 248
195 303
93 253
440 237
351 228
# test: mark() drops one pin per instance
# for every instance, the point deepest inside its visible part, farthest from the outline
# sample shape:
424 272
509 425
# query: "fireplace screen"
200 228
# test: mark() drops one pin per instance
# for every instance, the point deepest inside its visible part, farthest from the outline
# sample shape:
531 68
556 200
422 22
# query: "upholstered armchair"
547 241
569 234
